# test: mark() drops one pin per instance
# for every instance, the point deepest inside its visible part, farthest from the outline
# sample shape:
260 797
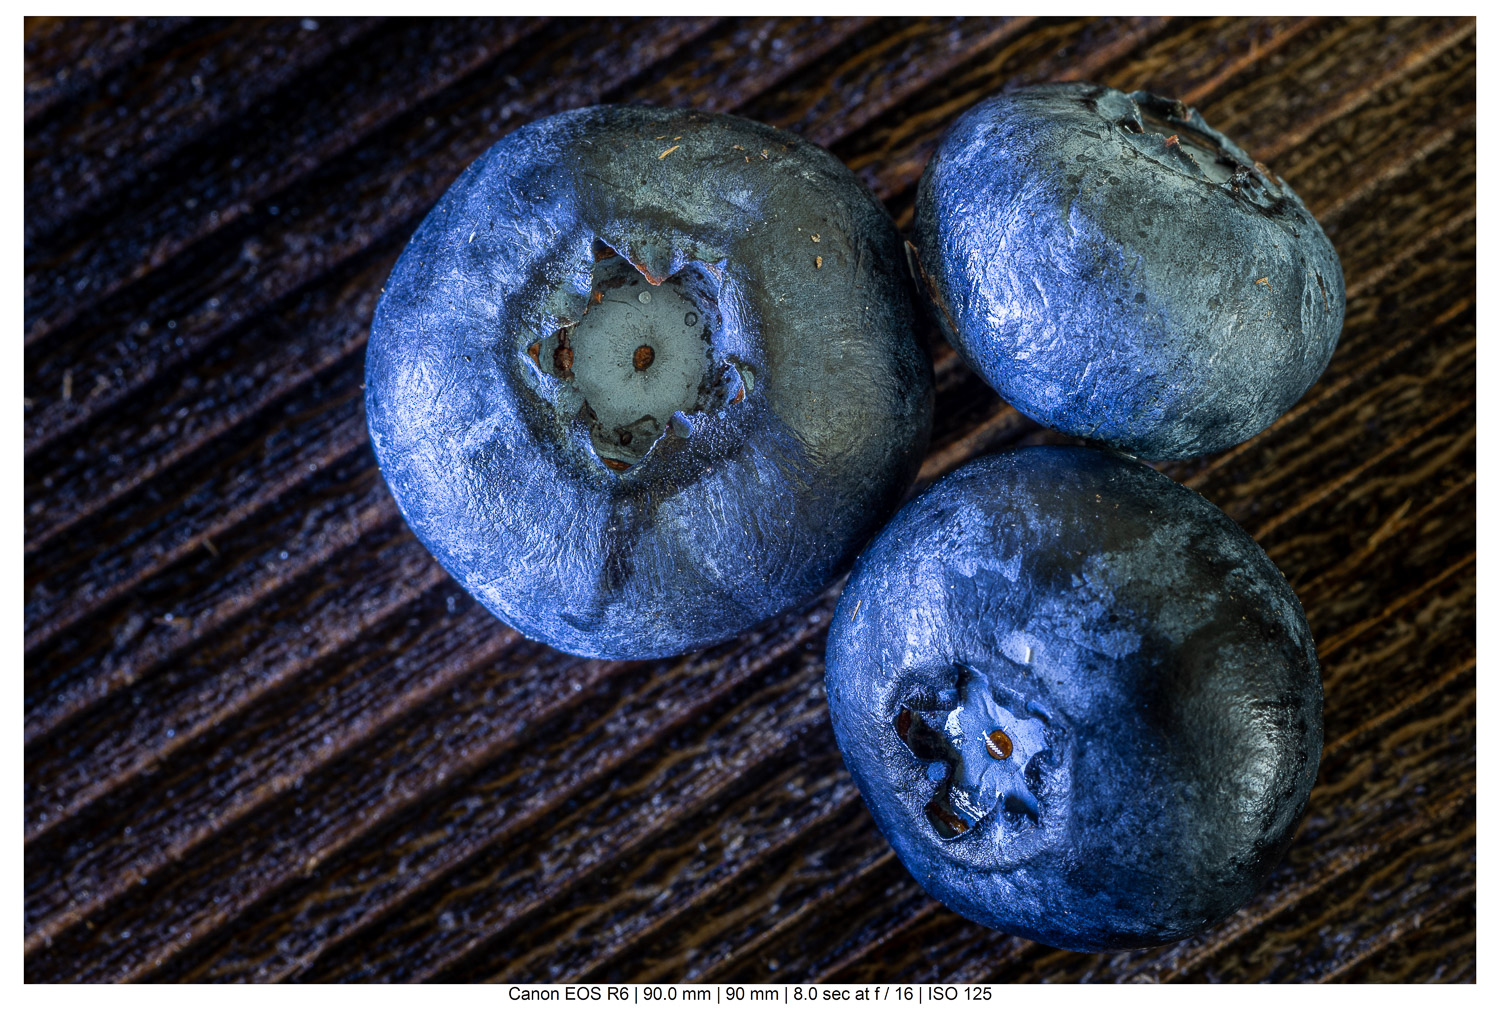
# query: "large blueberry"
645 378
1081 703
1117 269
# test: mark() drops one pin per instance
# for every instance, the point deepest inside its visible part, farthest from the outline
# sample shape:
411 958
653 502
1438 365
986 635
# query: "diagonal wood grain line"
568 781
799 918
234 602
345 211
1411 62
342 229
907 152
66 58
1400 930
1329 392
755 844
721 927
1356 849
509 927
284 148
1327 489
893 166
346 440
57 621
831 972
1344 861
1254 54
191 544
798 50
1374 865
1359 629
814 906
750 754
147 865
533 712
77 168
1333 391
482 650
114 497
299 371
1427 145
159 561
1009 425
1402 710
465 49
812 716
277 678
1339 677
917 65
1434 371
680 910
348 443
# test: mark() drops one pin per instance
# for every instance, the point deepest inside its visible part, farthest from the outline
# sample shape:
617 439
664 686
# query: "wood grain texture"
267 738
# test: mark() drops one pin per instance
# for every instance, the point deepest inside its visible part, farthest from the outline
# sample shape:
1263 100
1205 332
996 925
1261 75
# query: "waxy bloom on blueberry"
645 378
1119 270
1081 703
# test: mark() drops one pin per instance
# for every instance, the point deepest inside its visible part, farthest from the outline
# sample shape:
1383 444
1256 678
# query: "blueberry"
1081 703
1119 270
645 378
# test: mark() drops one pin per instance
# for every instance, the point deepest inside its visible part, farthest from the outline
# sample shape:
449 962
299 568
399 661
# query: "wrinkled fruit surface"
645 378
1117 269
1081 703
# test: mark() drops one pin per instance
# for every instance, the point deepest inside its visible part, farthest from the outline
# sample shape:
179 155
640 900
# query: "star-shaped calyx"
979 753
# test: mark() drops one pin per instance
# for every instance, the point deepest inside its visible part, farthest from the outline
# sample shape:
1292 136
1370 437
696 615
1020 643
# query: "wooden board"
268 738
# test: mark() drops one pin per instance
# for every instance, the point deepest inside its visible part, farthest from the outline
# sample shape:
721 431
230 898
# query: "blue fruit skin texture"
1110 285
1152 665
767 498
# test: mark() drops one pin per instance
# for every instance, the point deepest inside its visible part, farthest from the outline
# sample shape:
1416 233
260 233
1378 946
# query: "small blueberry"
1119 270
1081 703
610 394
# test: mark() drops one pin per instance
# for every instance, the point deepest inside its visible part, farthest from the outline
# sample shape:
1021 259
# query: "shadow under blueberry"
983 757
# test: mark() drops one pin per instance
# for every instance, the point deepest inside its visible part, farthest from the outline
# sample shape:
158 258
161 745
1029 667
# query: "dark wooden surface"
268 738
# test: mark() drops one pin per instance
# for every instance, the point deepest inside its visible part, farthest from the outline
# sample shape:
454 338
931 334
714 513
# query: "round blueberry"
645 378
1119 270
1081 703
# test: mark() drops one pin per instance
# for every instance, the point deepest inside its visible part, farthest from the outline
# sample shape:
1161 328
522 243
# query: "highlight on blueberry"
1081 703
646 378
1119 270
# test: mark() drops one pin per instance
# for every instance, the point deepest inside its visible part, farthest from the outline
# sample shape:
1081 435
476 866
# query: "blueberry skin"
1119 270
1148 669
811 418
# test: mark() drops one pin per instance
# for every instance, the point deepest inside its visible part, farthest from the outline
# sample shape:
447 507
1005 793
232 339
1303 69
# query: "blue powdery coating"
1148 670
806 431
1119 270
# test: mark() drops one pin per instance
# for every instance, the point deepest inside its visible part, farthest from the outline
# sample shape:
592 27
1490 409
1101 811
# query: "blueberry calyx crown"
641 360
982 756
1170 130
